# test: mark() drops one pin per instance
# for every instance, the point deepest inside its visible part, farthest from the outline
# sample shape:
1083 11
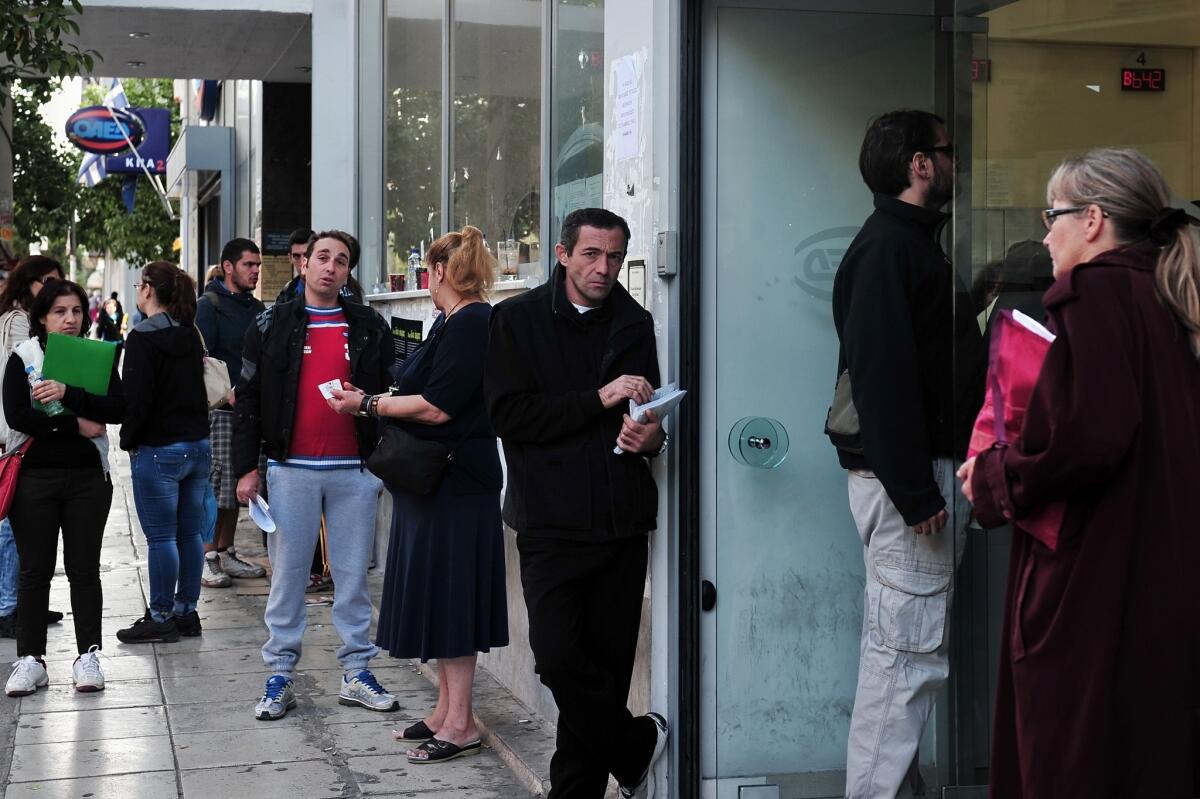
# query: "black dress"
443 591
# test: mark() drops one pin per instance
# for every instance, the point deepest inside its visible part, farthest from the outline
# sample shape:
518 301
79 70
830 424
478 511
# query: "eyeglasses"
1050 214
948 149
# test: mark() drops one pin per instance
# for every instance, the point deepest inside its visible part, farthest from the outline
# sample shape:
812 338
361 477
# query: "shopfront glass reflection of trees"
496 181
577 121
412 128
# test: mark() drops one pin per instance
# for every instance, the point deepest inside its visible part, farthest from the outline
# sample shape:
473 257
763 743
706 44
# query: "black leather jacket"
266 390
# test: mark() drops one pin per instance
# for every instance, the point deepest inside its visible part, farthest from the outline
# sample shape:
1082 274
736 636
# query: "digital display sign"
1143 80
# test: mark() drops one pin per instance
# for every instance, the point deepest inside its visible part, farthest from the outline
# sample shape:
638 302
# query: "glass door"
786 97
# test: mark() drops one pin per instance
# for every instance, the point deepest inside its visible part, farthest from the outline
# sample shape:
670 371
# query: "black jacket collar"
624 310
912 214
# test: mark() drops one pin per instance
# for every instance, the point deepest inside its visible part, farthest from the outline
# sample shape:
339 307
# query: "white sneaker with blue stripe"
365 691
277 699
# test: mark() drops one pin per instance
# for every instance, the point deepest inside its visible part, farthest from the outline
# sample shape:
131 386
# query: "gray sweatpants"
904 656
349 499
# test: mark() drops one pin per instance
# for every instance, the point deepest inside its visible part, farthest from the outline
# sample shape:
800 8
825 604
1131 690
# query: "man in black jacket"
914 358
315 466
563 362
224 311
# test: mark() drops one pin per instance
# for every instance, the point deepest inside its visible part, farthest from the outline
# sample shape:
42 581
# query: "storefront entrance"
785 93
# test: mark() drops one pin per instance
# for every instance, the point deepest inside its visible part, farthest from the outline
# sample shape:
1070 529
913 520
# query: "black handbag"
410 464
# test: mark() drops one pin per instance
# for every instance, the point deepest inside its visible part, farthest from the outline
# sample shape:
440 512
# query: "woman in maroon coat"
1099 691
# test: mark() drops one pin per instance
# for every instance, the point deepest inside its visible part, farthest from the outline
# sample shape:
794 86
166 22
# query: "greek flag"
92 170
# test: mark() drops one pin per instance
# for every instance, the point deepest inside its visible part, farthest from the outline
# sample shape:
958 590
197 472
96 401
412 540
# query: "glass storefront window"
496 178
577 109
412 130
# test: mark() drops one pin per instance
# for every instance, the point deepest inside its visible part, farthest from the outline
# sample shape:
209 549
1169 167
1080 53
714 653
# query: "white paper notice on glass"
662 402
626 107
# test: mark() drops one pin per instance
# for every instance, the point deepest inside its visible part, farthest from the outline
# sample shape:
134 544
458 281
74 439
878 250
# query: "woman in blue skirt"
443 591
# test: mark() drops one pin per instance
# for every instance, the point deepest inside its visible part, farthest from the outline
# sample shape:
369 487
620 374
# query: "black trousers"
585 607
75 500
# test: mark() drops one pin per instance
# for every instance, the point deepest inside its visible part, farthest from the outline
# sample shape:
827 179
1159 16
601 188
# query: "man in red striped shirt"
315 465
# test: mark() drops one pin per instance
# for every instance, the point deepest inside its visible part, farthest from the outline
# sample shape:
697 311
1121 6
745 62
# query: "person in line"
17 298
564 359
318 578
165 432
916 377
63 484
225 311
109 323
297 246
443 591
1098 660
315 465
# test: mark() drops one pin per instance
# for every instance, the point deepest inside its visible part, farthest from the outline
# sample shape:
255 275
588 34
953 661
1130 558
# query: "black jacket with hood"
545 367
266 391
165 401
223 318
911 342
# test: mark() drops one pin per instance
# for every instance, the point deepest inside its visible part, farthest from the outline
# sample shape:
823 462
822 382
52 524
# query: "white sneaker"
645 787
86 673
365 691
234 566
27 676
214 576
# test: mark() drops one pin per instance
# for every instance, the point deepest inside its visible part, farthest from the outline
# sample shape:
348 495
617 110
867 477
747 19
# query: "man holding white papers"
563 362
315 466
915 372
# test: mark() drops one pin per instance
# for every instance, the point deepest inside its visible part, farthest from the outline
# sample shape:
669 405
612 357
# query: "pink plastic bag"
1017 351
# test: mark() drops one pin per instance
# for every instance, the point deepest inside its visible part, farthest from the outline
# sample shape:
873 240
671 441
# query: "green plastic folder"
81 362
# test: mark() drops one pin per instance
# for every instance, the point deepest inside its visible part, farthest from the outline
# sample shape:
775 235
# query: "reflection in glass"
577 110
412 129
497 117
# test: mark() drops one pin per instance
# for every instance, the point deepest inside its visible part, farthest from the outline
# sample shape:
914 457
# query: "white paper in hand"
260 514
662 402
327 388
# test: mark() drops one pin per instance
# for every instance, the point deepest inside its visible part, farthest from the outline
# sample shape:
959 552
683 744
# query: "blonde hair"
1128 186
470 267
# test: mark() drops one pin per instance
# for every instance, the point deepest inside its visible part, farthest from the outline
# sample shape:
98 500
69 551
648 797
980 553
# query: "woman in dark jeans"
63 484
166 434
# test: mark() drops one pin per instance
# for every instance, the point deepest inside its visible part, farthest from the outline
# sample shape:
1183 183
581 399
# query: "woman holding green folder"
63 485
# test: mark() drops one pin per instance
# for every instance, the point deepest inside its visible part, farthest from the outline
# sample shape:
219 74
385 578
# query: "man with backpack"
225 309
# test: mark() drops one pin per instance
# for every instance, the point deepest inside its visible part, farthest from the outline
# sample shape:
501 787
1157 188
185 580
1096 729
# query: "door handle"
708 595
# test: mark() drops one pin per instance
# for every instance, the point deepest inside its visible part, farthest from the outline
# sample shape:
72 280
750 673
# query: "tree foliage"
43 171
31 43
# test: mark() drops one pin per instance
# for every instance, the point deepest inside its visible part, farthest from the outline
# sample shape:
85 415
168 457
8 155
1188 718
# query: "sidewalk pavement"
175 720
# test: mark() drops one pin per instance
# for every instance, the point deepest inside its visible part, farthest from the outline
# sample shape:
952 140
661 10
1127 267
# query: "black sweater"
165 400
546 363
912 345
56 439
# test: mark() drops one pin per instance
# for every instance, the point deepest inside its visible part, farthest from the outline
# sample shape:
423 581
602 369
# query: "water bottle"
414 263
53 407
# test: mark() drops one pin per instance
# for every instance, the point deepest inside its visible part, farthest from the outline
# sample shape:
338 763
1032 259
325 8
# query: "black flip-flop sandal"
417 733
437 751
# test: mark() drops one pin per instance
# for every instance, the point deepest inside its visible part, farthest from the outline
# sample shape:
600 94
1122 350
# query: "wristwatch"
663 447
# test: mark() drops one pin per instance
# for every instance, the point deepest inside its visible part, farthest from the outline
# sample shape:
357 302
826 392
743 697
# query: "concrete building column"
335 116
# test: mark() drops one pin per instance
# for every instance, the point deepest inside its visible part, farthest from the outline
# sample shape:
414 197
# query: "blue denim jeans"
10 569
349 498
168 489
